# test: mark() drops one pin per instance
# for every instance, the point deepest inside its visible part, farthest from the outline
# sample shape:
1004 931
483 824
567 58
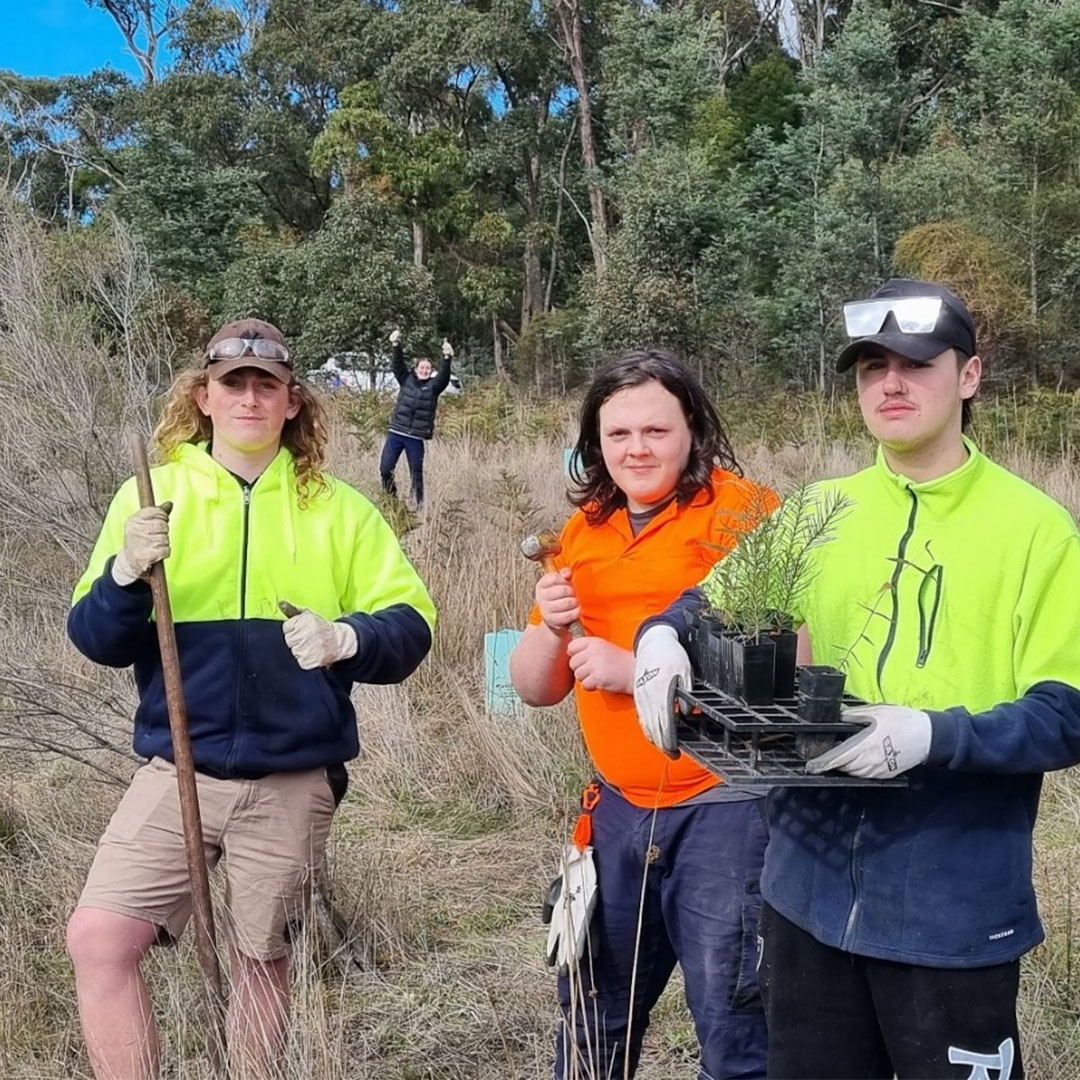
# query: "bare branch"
147 20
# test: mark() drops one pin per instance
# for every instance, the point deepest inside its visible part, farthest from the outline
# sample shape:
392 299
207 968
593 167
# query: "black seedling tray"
753 746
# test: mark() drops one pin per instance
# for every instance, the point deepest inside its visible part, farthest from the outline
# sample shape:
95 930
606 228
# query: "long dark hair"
596 493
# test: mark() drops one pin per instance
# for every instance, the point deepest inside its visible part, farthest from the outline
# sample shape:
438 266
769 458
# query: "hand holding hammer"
555 597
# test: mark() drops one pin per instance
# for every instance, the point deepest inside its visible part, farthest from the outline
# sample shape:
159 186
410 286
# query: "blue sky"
59 37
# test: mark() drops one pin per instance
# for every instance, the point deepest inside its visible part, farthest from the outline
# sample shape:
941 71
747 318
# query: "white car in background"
358 373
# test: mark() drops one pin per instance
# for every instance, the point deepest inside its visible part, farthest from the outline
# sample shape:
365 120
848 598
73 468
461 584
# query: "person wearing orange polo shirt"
677 854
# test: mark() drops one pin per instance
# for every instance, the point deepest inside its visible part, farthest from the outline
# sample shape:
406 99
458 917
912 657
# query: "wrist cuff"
122 573
348 642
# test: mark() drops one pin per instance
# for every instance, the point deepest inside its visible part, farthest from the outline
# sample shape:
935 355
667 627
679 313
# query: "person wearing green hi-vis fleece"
894 919
256 525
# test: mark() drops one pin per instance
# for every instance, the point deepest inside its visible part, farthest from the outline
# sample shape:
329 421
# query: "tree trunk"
570 22
532 293
810 17
822 359
497 342
419 242
419 230
554 263
1033 277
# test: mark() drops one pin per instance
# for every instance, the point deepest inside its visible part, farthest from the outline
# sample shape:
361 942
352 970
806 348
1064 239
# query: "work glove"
447 349
395 337
894 740
660 658
317 642
573 909
146 541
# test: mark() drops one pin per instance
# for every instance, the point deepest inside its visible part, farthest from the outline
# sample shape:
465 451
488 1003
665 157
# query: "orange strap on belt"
583 829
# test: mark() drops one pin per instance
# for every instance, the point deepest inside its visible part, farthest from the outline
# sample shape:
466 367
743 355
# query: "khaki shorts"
270 834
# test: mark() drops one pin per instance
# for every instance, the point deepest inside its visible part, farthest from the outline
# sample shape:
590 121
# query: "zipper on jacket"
241 630
243 552
894 589
933 576
849 927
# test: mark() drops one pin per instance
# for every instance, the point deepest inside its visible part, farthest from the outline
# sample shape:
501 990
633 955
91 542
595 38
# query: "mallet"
542 548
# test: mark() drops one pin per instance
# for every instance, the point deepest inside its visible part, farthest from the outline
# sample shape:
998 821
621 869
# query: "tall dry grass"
453 820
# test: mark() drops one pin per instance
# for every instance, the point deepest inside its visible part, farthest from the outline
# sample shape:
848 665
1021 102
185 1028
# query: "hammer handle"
575 628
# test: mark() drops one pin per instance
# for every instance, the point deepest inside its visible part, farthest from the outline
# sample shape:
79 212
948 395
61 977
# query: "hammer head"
540 546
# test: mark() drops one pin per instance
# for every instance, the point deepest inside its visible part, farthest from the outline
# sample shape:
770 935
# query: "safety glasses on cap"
234 347
913 315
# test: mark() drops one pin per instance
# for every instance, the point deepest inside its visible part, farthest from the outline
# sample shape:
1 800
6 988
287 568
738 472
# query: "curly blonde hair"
182 421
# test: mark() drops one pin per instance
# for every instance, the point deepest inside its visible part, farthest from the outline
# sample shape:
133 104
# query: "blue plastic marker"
500 695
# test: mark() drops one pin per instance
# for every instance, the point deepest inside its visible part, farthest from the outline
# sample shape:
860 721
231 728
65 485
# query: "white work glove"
570 917
895 739
395 337
660 658
317 642
447 348
146 541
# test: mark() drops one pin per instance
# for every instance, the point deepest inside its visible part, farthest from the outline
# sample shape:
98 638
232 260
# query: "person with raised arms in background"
658 487
895 918
412 422
249 518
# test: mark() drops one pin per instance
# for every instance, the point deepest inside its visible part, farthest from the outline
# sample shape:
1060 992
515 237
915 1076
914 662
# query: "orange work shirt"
620 580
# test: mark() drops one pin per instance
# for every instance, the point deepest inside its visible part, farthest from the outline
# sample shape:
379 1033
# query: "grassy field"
447 835
453 819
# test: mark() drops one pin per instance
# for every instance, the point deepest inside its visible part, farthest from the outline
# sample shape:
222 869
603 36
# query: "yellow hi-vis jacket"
237 550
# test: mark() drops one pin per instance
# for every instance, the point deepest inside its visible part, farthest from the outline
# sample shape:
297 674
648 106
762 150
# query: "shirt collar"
942 491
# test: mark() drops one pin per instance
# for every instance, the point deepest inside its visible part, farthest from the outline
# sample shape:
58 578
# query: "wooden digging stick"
185 779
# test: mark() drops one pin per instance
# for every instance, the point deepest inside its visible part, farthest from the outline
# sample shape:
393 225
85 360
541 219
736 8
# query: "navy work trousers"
836 1016
700 910
414 454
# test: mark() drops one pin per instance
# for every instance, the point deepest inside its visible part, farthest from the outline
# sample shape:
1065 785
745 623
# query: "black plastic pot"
820 691
787 643
707 647
724 672
753 665
693 628
714 659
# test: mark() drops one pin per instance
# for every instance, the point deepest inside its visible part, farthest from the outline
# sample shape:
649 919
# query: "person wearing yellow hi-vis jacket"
254 520
894 919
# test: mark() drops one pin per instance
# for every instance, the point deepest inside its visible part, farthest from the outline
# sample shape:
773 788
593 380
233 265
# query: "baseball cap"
249 343
901 323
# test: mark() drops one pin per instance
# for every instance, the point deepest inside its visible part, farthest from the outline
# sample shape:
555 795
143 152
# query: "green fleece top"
908 597
960 596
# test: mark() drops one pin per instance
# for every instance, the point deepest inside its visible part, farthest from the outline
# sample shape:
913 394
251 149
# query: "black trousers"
414 454
836 1016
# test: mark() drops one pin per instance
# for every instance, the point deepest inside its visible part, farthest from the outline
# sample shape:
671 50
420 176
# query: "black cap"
955 328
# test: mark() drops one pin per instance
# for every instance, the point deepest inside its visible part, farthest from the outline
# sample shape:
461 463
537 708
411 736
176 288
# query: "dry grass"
453 821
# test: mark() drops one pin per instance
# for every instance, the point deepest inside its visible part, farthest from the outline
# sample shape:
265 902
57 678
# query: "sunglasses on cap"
913 315
234 347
